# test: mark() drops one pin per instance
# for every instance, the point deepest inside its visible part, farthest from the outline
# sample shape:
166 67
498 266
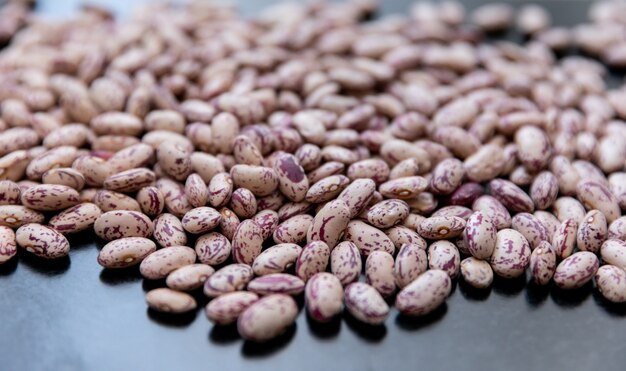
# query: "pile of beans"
259 159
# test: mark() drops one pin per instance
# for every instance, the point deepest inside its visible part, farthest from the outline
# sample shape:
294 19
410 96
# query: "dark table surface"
72 315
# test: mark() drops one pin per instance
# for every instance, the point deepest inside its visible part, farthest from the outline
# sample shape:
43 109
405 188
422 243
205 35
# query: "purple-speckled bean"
272 202
174 196
220 189
226 308
246 152
568 208
50 197
544 190
366 304
494 209
129 180
13 165
403 188
309 156
207 166
441 227
325 170
312 259
151 201
345 262
64 176
358 195
425 294
327 189
189 277
447 176
453 211
168 231
368 238
132 157
400 235
379 272
617 229
323 296
592 232
477 273
267 318
617 184
412 221
125 252
330 223
213 248
247 242
445 256
230 222
613 252
466 194
76 219
576 270
564 239
548 220
410 262
595 195
373 168
196 190
164 261
170 301
511 254
260 180
276 283
268 221
611 282
292 180
533 148
243 203
511 196
110 201
8 245
542 263
57 157
9 193
122 223
531 228
293 230
175 160
485 164
479 236
276 259
291 209
15 216
387 213
231 278
42 241
201 220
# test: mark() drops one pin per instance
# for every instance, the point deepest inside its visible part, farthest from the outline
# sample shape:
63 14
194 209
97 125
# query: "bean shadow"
509 287
46 267
115 277
8 267
472 293
327 330
570 298
222 335
536 294
367 332
251 349
613 309
172 319
83 240
414 323
148 285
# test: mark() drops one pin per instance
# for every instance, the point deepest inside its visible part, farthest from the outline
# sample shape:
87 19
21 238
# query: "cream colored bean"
42 241
323 297
477 273
125 252
15 216
226 308
511 255
94 169
367 238
329 223
531 228
261 181
122 223
327 189
8 245
276 259
76 219
117 123
592 232
267 318
595 195
50 197
206 165
169 231
201 220
568 208
162 262
366 304
9 192
445 256
13 165
617 229
613 252
276 283
293 230
564 239
130 180
494 209
611 282
485 164
170 301
576 270
403 188
165 120
441 227
64 176
424 294
110 201
345 262
132 157
189 277
379 268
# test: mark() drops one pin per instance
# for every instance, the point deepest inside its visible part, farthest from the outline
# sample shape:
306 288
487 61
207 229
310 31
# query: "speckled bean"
477 273
368 238
170 301
592 232
542 263
243 203
8 245
445 256
261 181
129 180
150 200
312 259
479 235
94 169
366 304
617 229
453 211
276 283
496 211
544 190
230 222
568 208
379 268
400 235
374 168
511 254
330 223
611 282
345 262
174 196
564 239
425 294
613 252
125 252
485 164
531 228
15 216
189 277
410 262
441 227
595 195
327 189
76 219
387 213
168 231
511 196
325 170
164 261
276 259
247 242
403 188
357 195
9 192
201 220
292 180
50 197
42 241
123 223
323 296
447 176
110 201
533 148
576 270
57 157
293 230
267 318
220 189
225 309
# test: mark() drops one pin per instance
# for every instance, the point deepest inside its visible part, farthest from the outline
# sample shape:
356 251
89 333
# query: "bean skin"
323 297
267 318
8 245
125 252
42 241
226 308
365 303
